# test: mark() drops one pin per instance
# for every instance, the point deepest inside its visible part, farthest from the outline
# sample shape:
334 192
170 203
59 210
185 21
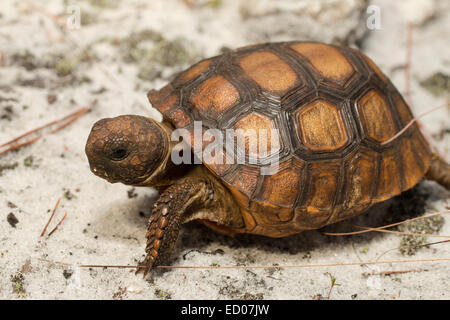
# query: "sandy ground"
49 68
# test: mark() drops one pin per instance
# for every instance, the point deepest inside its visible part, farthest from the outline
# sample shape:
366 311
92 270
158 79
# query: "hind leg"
439 171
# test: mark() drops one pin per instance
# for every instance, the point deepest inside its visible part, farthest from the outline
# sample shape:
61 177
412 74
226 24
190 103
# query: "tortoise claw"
140 269
147 271
145 267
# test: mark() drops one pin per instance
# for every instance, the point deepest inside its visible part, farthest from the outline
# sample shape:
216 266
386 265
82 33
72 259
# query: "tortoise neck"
165 164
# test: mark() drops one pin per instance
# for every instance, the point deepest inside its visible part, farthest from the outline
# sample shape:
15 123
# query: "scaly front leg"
168 214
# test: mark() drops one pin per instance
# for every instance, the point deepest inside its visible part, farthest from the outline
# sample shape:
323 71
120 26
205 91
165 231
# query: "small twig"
111 266
68 117
55 262
386 226
388 273
271 266
405 233
51 217
54 229
63 122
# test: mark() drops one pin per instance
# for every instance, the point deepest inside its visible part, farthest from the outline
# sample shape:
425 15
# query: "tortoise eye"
118 154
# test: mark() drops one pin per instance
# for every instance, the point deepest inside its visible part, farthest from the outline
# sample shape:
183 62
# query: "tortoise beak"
94 152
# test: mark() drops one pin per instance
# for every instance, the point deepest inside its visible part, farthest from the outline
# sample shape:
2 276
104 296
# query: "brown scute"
322 127
152 96
266 214
283 187
260 125
276 230
361 173
402 108
318 205
220 228
242 200
323 186
249 221
413 171
422 150
167 104
373 66
285 214
327 60
307 219
215 95
244 178
389 180
155 96
376 116
192 73
220 169
269 71
180 118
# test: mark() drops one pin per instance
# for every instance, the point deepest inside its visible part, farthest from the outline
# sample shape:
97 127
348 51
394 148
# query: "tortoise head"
127 149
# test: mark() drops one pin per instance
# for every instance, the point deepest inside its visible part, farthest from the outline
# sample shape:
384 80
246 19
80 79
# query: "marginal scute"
321 127
282 188
374 67
285 214
327 60
412 169
244 179
249 221
155 96
193 72
215 95
360 173
402 108
389 180
323 186
376 116
421 149
319 201
266 213
180 118
269 71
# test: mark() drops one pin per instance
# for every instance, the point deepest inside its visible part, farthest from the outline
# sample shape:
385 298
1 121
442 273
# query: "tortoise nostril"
119 154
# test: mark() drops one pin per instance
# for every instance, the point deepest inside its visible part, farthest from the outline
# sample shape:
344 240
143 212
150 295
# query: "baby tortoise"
335 115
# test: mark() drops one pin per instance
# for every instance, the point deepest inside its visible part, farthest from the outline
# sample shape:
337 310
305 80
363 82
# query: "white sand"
103 224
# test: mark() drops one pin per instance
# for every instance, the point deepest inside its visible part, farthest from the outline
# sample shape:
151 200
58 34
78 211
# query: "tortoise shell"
335 114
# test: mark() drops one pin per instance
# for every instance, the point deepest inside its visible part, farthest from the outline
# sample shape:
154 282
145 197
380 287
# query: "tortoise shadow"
123 220
412 203
197 237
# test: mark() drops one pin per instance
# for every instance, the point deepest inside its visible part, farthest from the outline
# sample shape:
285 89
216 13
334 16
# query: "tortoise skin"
333 109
